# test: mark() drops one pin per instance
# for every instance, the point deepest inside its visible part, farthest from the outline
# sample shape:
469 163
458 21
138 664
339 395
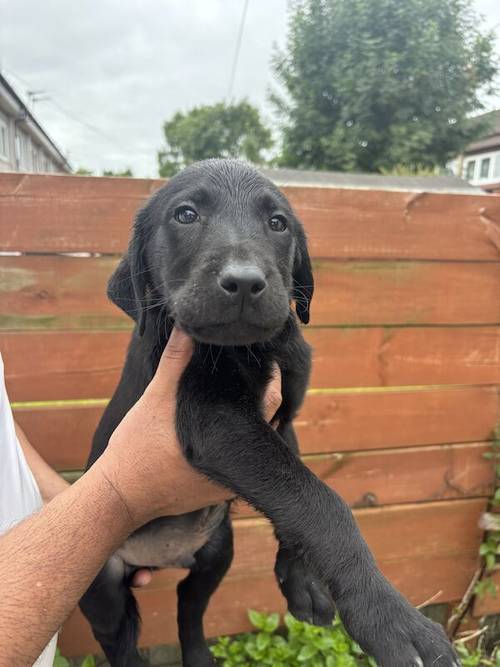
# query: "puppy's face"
220 247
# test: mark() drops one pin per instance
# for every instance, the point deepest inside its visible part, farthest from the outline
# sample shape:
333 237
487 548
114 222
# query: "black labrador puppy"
219 251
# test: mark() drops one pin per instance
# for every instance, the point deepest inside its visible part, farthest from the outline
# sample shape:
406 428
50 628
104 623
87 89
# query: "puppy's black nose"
243 281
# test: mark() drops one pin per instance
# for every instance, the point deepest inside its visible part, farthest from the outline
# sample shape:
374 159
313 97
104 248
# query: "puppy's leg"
112 612
307 595
212 562
240 451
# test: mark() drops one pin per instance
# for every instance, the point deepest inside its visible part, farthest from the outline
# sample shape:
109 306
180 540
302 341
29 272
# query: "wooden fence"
404 394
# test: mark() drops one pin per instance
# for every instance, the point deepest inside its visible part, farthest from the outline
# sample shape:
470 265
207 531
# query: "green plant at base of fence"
490 547
305 645
476 658
59 661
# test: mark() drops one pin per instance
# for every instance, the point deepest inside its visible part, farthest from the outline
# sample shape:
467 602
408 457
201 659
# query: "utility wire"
70 114
239 39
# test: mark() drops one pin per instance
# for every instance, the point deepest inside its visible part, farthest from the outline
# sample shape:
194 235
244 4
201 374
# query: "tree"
83 171
374 84
125 172
217 130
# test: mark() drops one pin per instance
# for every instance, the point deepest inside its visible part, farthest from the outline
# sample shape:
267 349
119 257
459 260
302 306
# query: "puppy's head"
221 249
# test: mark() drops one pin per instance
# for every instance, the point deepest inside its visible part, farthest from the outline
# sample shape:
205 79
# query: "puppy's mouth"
236 332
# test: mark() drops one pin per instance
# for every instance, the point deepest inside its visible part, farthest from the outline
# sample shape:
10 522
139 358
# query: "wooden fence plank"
376 357
72 214
392 476
423 549
69 214
328 423
43 366
55 292
342 422
406 293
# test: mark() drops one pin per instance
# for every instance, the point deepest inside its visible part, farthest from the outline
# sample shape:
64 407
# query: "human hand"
144 461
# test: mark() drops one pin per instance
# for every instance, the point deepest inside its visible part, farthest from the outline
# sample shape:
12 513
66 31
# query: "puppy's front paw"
395 634
308 597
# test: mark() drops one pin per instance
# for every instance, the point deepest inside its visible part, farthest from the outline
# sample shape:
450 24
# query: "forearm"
48 561
48 481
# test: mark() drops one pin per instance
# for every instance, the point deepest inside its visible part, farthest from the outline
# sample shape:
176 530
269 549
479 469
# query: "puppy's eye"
186 215
278 223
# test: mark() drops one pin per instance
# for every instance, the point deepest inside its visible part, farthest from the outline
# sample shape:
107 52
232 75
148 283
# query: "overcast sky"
116 69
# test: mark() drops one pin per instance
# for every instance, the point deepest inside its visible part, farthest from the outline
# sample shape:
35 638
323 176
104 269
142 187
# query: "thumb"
174 360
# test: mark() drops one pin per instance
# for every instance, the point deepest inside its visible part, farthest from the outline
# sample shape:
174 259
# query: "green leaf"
88 662
306 653
484 549
256 619
59 661
272 623
263 641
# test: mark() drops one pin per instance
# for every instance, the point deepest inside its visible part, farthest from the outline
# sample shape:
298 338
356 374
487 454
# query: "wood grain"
82 214
422 549
56 292
52 365
328 423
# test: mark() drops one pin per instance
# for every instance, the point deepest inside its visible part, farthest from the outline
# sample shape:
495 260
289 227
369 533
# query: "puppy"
219 251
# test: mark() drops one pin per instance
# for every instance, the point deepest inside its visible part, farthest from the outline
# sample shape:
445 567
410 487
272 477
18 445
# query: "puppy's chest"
171 541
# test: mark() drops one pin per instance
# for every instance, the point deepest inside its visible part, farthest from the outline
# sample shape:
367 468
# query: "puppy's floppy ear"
127 286
303 281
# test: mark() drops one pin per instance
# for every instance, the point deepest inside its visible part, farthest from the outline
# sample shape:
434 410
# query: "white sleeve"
19 494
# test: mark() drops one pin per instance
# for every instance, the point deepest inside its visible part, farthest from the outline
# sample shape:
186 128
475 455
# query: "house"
24 144
480 162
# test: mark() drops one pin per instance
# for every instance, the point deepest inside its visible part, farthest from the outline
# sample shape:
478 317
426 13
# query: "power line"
69 114
239 39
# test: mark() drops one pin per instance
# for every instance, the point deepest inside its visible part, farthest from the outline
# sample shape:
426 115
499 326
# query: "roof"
26 115
490 138
333 179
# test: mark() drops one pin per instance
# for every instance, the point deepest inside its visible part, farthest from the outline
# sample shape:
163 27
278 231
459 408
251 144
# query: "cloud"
123 67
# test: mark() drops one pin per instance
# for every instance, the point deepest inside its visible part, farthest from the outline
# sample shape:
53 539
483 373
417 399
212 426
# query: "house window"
485 167
470 168
23 151
34 158
496 167
4 140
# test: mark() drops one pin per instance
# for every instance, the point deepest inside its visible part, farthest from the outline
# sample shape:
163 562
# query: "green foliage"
83 171
59 661
124 173
374 84
476 658
490 547
217 130
304 645
89 661
409 170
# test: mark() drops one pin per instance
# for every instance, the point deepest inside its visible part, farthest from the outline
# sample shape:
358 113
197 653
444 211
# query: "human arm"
48 560
48 481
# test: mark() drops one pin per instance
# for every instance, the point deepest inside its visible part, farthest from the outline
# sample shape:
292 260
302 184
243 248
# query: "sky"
115 70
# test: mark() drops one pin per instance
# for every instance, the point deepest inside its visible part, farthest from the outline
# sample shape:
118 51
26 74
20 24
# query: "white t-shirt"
19 494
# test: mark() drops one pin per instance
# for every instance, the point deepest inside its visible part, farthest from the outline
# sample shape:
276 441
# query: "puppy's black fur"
220 252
